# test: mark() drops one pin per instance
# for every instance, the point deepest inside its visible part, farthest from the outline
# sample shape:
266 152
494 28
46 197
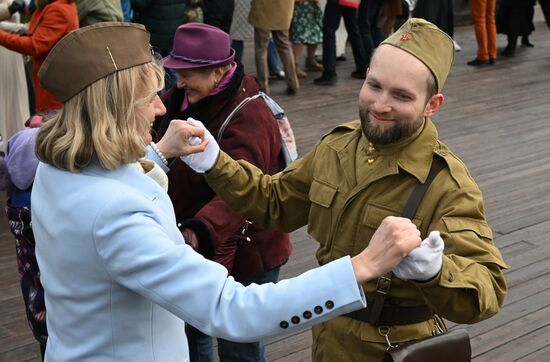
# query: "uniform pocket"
459 224
371 219
472 238
321 195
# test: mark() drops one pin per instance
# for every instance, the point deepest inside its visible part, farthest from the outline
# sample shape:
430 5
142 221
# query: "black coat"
515 17
161 18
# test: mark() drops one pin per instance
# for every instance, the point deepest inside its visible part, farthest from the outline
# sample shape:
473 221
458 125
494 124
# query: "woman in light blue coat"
119 279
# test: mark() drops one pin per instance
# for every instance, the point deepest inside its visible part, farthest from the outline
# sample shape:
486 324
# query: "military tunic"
342 189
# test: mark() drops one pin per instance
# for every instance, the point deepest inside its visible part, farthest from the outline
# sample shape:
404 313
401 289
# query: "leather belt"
393 315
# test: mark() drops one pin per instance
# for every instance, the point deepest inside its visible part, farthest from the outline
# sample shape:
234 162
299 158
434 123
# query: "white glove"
202 161
424 262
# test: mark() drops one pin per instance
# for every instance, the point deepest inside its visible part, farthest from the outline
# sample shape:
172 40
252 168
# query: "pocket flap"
375 214
322 193
456 224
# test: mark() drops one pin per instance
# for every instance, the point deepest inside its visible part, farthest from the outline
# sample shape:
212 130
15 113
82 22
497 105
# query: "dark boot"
525 41
510 49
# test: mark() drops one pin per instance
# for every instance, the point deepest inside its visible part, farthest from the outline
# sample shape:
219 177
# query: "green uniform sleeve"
471 285
279 201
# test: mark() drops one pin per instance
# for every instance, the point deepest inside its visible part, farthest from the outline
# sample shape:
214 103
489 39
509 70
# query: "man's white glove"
202 161
424 262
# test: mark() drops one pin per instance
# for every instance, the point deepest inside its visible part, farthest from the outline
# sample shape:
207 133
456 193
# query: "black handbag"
452 346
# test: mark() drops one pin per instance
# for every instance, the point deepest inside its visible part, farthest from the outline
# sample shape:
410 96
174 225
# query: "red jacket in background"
47 26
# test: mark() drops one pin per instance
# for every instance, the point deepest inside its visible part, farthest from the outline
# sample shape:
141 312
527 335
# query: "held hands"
393 240
204 161
424 262
175 141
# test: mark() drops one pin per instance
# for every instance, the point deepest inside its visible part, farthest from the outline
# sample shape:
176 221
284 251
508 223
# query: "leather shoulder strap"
384 282
419 191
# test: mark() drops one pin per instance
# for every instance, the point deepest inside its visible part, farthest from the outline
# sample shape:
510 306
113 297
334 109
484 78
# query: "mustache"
364 115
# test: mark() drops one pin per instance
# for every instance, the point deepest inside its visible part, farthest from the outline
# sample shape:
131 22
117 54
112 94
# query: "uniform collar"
413 155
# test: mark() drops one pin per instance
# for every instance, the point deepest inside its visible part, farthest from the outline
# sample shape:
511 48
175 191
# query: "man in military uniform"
365 170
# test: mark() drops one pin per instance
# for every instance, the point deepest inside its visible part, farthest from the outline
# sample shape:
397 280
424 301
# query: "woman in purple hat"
210 85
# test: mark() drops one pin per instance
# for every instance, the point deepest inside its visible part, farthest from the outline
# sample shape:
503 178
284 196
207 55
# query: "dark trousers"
545 5
331 21
33 293
434 11
371 34
219 13
273 61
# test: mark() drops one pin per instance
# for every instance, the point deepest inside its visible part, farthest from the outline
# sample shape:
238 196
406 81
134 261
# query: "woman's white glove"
424 262
202 161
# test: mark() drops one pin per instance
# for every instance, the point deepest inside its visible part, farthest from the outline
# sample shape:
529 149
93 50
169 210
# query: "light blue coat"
119 280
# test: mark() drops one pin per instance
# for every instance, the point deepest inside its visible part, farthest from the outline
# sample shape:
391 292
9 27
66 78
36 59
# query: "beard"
380 135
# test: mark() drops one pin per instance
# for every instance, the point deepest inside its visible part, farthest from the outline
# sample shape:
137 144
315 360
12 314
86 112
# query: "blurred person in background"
95 11
219 13
51 20
483 16
515 19
273 17
14 100
306 31
332 15
161 18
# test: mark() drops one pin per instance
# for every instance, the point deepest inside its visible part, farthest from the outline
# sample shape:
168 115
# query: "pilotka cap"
93 52
429 44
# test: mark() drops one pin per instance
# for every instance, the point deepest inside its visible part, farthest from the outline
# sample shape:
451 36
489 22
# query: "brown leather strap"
382 288
392 315
419 191
373 316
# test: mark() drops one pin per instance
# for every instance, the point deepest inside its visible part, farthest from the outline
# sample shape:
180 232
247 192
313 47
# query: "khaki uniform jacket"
271 14
345 186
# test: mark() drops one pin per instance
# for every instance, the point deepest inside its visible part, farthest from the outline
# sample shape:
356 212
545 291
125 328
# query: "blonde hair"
101 121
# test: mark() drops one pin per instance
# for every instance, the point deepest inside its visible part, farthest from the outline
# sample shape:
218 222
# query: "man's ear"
433 104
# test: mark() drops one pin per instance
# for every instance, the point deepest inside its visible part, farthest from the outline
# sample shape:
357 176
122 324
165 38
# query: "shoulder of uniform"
343 129
457 169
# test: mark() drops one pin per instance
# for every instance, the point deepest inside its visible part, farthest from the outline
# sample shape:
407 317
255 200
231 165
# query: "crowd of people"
175 214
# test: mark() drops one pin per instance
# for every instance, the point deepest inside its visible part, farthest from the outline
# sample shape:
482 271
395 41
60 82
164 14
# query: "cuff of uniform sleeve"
445 277
153 156
223 169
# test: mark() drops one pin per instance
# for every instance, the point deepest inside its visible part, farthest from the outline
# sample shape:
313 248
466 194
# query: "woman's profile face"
197 84
146 114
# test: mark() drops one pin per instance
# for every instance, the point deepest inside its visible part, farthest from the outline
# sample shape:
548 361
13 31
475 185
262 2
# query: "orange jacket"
46 27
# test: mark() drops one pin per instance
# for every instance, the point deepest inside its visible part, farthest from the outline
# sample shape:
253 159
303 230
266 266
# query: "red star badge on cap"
405 37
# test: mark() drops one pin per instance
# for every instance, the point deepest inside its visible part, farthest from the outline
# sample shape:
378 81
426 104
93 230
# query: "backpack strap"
233 112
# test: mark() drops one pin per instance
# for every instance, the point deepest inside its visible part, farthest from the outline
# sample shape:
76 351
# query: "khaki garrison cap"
429 44
93 52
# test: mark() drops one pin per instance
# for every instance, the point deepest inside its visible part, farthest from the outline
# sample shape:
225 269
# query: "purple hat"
199 45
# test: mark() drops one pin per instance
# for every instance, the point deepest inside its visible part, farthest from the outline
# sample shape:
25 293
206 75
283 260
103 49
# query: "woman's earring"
216 84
